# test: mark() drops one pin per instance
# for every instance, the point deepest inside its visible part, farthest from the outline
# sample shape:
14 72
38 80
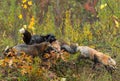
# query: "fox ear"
114 56
109 60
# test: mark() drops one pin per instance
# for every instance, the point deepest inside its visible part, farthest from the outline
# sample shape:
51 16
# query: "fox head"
105 60
112 63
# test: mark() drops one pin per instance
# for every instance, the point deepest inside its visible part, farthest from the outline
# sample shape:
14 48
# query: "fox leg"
81 57
110 70
95 60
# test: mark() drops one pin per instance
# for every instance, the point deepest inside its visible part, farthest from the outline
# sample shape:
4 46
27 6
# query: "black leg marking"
109 69
95 60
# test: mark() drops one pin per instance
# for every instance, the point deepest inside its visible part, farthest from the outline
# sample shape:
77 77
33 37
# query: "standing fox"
97 57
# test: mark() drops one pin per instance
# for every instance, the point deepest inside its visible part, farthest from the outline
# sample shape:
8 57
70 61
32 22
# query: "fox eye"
109 60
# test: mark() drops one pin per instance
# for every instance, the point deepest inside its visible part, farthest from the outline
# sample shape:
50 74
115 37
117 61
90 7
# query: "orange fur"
56 45
92 54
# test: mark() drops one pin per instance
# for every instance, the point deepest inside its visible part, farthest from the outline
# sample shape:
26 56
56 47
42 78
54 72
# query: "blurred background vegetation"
95 23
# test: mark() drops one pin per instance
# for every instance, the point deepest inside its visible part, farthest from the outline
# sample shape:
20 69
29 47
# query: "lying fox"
97 57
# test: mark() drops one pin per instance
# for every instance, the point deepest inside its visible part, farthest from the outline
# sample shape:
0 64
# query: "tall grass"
102 35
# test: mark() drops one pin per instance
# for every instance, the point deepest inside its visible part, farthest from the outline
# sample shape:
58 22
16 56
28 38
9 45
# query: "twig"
110 7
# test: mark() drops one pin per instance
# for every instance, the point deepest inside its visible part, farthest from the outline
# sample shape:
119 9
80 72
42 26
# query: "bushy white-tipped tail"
22 30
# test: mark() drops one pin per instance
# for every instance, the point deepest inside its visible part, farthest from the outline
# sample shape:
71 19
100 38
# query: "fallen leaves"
27 65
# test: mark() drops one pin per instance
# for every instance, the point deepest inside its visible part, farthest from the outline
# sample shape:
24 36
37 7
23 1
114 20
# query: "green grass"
102 35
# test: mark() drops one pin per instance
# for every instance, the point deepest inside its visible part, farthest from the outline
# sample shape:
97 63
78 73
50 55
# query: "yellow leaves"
6 62
23 71
49 26
26 65
23 63
69 31
90 36
92 46
1 62
67 20
66 55
26 69
30 3
25 26
116 21
25 6
46 55
32 19
87 33
102 6
10 62
39 71
32 23
6 59
24 1
20 16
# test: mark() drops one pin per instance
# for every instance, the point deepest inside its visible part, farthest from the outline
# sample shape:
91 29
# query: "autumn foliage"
93 23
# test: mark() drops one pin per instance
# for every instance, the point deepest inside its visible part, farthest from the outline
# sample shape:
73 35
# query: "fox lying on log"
97 57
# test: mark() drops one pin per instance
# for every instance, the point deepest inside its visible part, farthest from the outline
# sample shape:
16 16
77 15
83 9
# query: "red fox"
97 57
